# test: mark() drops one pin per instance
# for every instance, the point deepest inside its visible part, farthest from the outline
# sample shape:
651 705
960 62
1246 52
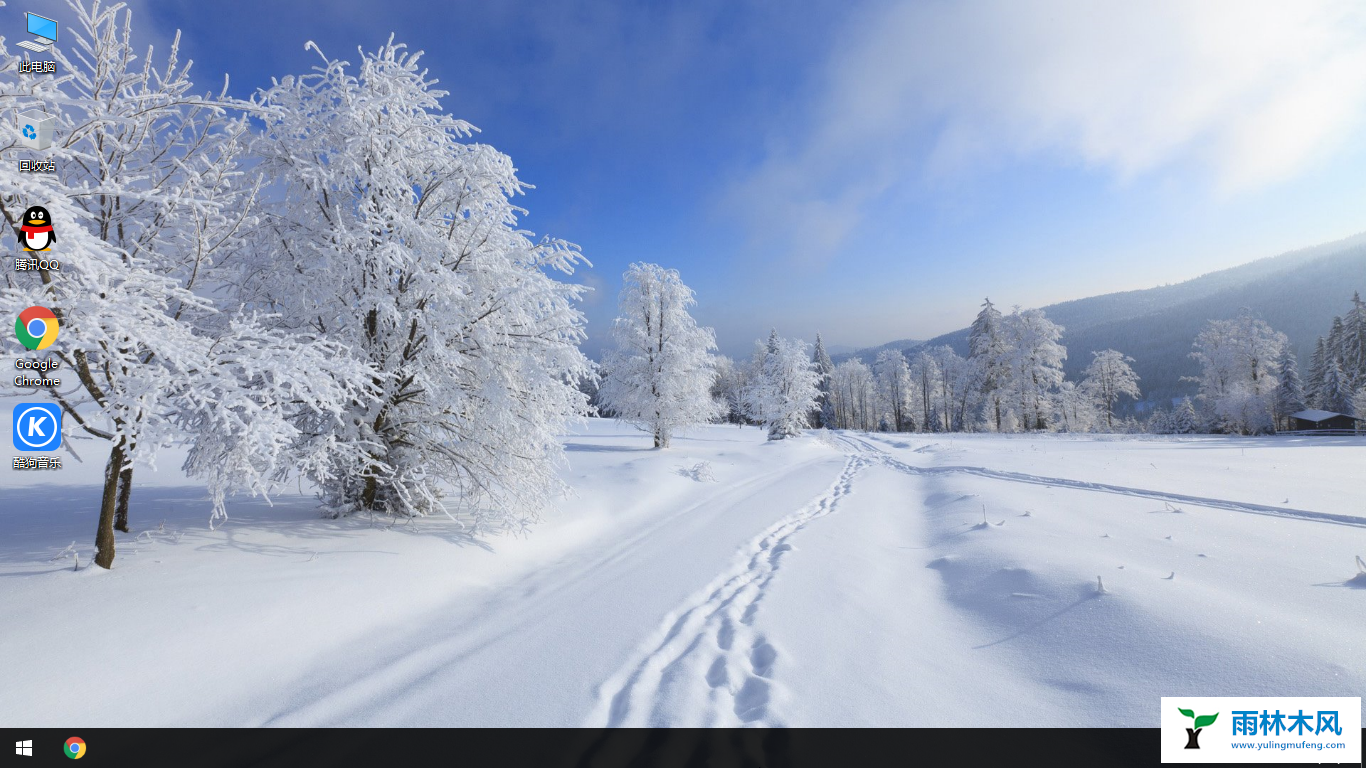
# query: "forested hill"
1297 293
869 354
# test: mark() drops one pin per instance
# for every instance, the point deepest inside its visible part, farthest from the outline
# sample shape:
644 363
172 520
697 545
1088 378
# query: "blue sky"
872 170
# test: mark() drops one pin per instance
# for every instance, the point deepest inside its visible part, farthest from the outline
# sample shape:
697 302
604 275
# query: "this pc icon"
44 30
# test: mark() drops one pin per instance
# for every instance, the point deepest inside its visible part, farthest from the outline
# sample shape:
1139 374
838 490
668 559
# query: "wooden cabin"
1315 420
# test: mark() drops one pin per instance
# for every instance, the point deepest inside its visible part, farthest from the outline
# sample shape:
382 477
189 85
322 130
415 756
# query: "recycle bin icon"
35 129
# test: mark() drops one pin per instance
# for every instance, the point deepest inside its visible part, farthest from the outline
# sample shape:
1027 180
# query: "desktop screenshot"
692 383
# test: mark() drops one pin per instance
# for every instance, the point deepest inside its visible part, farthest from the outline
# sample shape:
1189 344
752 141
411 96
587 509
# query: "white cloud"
1244 94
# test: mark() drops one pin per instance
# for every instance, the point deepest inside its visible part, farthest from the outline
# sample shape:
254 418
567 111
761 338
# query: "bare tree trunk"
368 495
125 490
104 534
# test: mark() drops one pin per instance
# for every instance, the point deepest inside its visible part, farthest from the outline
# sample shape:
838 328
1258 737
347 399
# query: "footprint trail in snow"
708 665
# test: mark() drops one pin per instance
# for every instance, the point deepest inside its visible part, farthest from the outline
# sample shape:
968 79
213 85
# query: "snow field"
1232 602
836 579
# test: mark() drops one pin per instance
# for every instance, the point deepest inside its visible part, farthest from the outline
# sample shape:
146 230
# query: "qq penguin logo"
35 231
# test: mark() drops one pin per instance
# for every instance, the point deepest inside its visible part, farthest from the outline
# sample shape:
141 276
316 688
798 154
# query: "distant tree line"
1012 380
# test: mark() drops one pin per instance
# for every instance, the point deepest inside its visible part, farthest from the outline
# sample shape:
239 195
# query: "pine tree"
1318 372
1159 422
1184 420
784 386
1290 394
1337 339
987 349
1354 343
824 415
661 371
1336 395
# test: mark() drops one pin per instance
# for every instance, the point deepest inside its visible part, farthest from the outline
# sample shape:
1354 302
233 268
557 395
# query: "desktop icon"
75 748
36 328
24 747
44 31
35 129
35 229
38 427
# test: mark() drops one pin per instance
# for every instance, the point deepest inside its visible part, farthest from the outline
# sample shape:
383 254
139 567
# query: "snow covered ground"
836 579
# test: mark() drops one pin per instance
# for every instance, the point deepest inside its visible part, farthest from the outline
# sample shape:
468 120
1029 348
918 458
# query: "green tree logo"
1193 734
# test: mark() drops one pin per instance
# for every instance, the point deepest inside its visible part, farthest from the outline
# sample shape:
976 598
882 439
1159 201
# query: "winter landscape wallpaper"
885 363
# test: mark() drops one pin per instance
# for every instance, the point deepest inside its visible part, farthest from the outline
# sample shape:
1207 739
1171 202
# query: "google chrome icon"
75 748
36 327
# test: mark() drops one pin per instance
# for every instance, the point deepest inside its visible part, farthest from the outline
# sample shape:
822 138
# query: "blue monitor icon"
42 27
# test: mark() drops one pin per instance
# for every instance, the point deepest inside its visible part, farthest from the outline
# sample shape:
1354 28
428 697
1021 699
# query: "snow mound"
701 472
1358 581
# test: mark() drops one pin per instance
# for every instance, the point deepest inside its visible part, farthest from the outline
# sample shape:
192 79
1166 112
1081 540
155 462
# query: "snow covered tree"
925 376
784 386
728 388
661 372
1159 422
893 382
1336 393
397 238
150 201
1079 410
854 392
1353 349
1318 371
1290 391
941 394
1238 371
825 414
1336 343
1338 366
1035 364
1359 405
988 351
1107 378
968 375
953 386
589 384
1184 419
